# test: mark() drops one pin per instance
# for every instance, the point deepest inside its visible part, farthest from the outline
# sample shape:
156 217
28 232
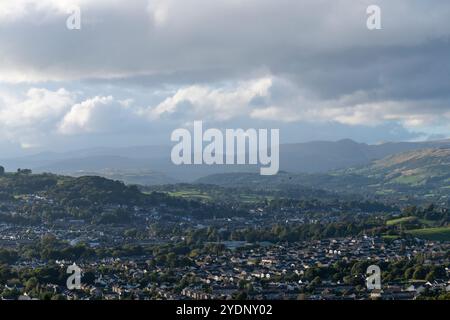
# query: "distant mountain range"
151 165
323 156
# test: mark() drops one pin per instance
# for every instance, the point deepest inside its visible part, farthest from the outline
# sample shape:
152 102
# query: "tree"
420 273
2 171
240 295
430 276
408 275
316 281
24 171
31 284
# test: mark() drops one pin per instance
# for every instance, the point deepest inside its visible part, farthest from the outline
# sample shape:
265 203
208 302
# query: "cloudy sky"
138 69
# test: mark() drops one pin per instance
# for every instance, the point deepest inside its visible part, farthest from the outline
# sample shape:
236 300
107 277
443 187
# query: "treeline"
430 212
316 231
286 233
19 183
342 205
50 249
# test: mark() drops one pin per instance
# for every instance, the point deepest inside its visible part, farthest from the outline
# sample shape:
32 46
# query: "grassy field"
191 194
437 234
409 180
217 195
390 237
394 222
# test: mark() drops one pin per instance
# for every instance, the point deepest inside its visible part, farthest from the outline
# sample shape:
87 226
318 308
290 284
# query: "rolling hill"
427 167
422 174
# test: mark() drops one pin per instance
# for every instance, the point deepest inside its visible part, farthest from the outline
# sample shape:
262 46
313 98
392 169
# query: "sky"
138 69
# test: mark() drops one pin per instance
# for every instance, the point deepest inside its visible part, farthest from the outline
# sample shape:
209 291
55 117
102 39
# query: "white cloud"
82 116
276 99
28 119
41 115
212 103
38 108
356 110
101 114
159 11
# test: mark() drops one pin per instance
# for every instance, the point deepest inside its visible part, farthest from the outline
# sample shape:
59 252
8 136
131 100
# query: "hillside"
90 189
415 168
422 174
33 198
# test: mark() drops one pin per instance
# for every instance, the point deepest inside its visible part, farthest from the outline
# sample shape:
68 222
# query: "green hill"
414 168
421 174
436 234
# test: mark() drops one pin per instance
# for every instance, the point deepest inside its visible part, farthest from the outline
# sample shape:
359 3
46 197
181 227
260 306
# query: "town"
145 245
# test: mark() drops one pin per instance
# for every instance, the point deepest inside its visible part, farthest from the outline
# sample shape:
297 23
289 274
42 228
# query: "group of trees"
21 183
430 212
301 232
354 272
19 171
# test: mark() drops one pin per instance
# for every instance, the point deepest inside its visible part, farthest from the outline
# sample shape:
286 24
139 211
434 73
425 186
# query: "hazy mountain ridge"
323 156
129 164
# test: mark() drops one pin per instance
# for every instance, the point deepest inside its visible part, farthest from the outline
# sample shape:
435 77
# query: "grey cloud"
325 64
